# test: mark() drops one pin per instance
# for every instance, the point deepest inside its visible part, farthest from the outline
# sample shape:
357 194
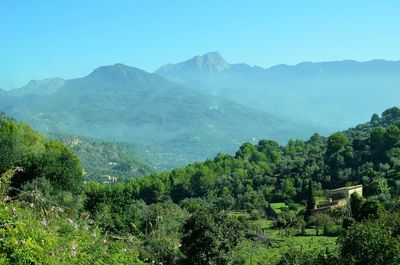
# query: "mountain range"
190 111
334 94
176 124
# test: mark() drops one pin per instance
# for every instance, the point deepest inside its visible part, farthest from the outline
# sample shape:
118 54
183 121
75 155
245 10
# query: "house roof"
345 188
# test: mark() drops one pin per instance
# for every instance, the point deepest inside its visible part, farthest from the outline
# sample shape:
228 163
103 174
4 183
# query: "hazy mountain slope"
334 94
101 159
39 87
176 123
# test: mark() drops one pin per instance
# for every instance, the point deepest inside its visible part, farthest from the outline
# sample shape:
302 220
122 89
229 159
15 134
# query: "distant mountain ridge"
217 64
2 92
322 92
39 87
176 123
116 73
211 62
191 110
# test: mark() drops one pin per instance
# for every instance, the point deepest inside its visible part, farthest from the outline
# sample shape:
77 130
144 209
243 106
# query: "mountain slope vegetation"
268 172
258 176
38 162
211 212
104 160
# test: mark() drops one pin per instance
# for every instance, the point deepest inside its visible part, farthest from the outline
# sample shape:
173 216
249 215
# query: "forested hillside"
102 160
212 212
124 142
267 172
41 197
47 164
289 178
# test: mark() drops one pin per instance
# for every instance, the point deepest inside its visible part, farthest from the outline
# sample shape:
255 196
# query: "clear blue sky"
40 39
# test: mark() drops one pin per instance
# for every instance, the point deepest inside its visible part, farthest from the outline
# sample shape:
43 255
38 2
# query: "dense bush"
52 238
310 258
209 237
369 243
48 166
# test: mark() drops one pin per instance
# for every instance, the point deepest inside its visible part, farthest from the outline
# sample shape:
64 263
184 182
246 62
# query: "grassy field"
259 223
278 207
251 252
319 200
255 253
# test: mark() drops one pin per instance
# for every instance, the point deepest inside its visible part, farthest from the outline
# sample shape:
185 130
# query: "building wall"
345 193
358 190
341 203
340 198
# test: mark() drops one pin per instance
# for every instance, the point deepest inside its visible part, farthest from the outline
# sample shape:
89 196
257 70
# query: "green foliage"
256 252
278 206
369 243
144 212
5 179
363 209
193 204
61 167
310 200
281 173
52 238
38 158
255 178
209 237
263 174
371 209
161 251
101 159
356 202
310 258
325 222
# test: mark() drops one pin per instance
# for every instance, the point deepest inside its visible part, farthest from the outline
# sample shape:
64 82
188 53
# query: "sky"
70 38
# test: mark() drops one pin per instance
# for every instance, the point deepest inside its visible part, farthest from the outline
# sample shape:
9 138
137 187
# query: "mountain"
321 92
39 87
209 63
177 124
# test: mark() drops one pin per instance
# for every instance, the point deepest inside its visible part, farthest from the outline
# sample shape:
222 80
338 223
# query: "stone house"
338 198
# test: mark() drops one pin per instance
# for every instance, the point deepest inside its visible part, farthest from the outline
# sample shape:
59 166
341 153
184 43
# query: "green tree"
321 221
288 188
371 209
208 237
62 167
310 200
369 243
356 202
